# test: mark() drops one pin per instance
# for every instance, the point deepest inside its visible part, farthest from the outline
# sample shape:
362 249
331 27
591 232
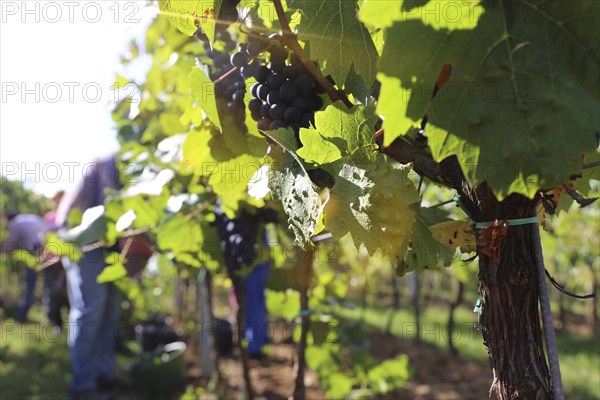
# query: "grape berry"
240 236
231 90
285 94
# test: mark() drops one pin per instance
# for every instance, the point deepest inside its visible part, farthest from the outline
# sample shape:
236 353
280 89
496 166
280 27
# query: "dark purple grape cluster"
285 94
231 90
240 236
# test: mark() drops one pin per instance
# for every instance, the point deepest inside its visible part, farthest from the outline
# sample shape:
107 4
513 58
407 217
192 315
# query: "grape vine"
269 78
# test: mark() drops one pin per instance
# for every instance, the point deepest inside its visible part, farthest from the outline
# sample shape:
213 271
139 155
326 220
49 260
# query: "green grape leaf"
520 106
189 259
180 235
203 89
264 13
424 251
30 260
192 115
316 149
196 148
111 273
289 182
584 184
120 82
186 14
340 133
283 304
456 234
230 179
322 358
208 152
58 247
376 215
211 256
390 374
284 137
339 385
204 149
146 214
170 123
443 14
337 39
93 227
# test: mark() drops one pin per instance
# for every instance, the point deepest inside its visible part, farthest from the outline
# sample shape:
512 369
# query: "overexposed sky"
58 61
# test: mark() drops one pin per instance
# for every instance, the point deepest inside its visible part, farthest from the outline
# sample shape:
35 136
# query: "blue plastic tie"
477 308
303 313
511 222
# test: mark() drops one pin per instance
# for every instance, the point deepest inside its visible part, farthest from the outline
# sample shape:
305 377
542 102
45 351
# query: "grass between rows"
34 364
579 356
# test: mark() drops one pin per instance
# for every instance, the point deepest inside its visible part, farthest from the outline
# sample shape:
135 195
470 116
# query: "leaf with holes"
376 215
290 183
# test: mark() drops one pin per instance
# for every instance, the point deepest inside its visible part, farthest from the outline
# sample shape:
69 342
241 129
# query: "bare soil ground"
437 374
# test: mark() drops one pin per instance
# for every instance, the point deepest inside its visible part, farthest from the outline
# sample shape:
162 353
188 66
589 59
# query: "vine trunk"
509 319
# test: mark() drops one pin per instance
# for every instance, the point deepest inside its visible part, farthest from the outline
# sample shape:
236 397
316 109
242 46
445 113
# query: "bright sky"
58 61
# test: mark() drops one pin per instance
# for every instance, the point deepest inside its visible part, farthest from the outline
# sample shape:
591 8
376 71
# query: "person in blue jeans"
94 307
255 318
93 327
239 244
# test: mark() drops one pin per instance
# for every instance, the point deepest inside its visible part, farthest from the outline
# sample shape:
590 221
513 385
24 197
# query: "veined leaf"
146 214
448 14
340 133
203 90
285 138
375 214
290 183
521 105
337 39
339 385
229 180
456 234
228 160
196 149
424 249
180 235
186 14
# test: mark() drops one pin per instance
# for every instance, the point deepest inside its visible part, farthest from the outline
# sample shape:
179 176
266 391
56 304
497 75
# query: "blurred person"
255 318
50 216
240 244
25 232
94 307
55 281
